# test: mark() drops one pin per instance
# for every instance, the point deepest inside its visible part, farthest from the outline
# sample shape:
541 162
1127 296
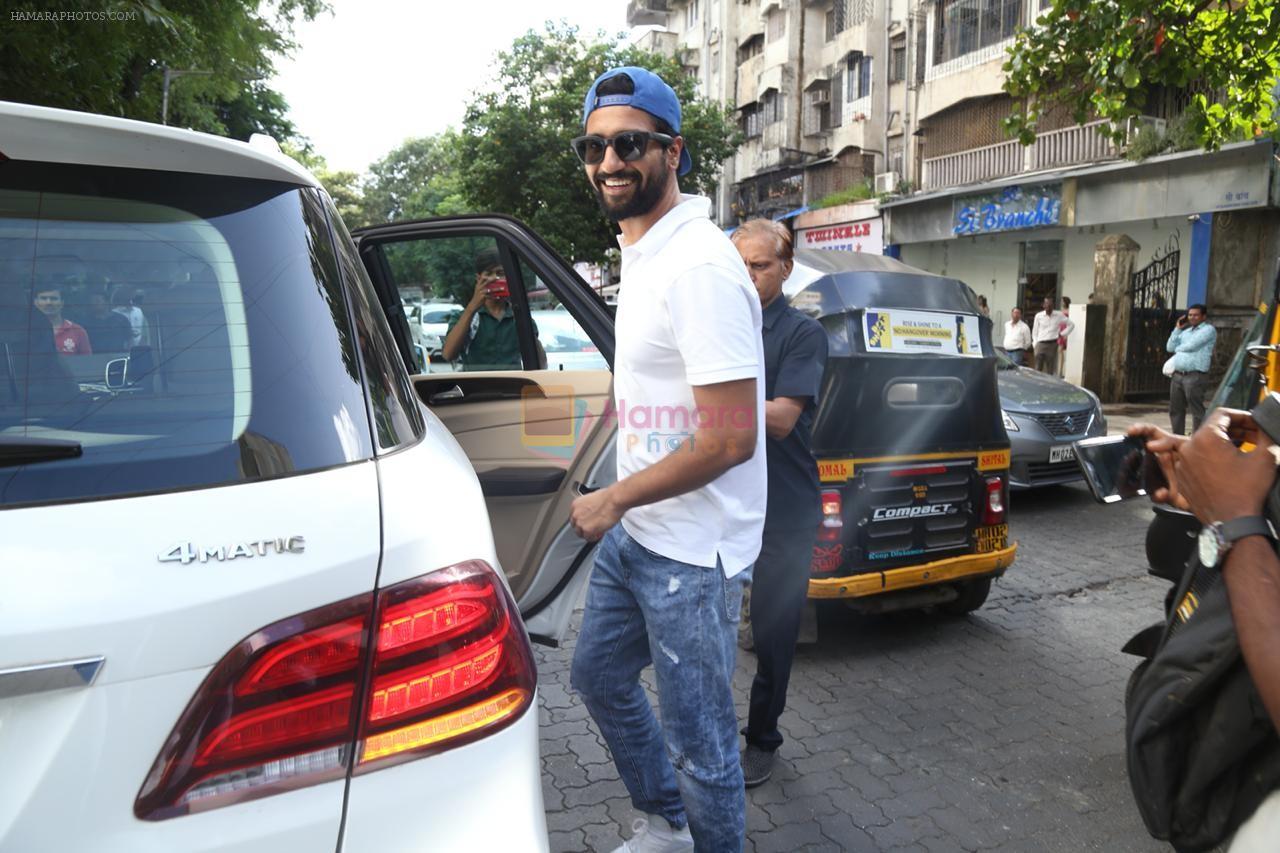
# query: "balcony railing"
1066 147
972 166
1080 144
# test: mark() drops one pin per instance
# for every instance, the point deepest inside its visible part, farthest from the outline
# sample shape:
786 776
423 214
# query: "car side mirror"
117 373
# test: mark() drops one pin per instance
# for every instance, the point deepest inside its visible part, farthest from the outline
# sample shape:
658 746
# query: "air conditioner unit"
1135 124
886 182
820 96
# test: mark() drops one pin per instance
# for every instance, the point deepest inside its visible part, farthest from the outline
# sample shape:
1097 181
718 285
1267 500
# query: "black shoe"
757 766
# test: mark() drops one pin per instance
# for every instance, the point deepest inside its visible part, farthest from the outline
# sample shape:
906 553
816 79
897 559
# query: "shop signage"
864 236
1008 209
900 330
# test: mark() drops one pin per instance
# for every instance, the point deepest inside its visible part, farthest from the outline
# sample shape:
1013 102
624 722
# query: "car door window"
456 329
393 405
564 344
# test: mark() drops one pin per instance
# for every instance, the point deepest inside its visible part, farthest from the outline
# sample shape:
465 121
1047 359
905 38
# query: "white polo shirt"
688 315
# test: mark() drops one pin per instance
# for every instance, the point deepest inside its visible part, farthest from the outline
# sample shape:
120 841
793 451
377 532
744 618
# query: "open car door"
525 388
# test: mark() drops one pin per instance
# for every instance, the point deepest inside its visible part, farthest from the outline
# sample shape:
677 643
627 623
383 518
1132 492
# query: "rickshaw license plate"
992 538
1066 453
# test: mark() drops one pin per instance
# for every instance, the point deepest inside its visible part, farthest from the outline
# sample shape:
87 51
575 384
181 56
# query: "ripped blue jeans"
643 608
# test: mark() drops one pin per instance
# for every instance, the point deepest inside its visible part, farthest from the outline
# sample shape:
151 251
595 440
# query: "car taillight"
832 516
443 662
994 509
477 673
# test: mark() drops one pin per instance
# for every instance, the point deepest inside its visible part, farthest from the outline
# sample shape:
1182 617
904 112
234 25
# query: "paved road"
910 732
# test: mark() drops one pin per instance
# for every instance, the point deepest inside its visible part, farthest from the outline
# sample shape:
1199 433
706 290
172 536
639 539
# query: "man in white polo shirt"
681 527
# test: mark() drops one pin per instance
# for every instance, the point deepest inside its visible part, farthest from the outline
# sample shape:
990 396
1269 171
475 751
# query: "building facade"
905 97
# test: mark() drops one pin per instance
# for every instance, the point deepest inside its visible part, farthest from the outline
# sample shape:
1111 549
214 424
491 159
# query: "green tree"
1103 59
419 178
113 62
514 146
343 187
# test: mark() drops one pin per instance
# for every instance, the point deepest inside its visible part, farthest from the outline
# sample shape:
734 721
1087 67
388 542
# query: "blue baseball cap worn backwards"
650 93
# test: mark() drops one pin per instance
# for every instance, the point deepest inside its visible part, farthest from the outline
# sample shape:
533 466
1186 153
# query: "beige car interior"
525 421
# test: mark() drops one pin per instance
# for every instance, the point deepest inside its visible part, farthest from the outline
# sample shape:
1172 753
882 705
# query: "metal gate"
1153 295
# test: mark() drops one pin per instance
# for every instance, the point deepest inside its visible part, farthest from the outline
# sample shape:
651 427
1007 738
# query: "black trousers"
1186 391
779 586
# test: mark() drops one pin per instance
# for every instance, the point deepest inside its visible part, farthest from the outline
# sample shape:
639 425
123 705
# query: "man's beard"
642 200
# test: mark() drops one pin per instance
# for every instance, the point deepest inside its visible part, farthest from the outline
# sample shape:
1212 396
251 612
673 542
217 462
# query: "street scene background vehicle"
915 484
266 446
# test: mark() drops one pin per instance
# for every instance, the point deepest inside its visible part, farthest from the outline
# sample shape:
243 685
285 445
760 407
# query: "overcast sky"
377 72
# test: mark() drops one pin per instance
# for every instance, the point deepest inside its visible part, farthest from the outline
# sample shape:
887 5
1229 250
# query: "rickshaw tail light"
832 516
993 512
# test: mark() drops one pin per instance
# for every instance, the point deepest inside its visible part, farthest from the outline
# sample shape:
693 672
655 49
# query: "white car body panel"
450 796
50 135
83 580
485 796
75 758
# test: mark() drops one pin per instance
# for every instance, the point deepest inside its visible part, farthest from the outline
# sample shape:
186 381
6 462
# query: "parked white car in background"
230 620
434 319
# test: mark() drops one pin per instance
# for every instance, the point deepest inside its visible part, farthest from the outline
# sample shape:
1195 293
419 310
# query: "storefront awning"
791 213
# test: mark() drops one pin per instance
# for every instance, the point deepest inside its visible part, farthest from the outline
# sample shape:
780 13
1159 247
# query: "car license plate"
993 538
1065 453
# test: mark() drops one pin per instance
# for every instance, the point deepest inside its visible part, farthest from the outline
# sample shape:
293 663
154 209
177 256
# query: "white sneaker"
655 835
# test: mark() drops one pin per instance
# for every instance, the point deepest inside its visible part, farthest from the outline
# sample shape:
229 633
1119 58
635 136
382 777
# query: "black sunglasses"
629 146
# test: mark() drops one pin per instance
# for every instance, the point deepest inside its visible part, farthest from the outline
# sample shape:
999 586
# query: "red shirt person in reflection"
68 338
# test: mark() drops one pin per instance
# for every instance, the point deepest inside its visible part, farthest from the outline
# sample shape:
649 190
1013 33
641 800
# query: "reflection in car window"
565 344
396 418
247 370
1240 383
444 272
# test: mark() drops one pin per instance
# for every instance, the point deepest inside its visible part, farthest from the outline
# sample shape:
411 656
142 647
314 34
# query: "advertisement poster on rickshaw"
900 330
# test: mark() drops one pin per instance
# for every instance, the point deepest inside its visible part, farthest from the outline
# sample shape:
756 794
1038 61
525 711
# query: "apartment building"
907 94
813 105
1019 223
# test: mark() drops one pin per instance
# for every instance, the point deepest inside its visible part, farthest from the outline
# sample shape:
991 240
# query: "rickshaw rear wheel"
973 594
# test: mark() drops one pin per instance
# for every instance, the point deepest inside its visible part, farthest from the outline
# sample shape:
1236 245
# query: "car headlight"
1008 422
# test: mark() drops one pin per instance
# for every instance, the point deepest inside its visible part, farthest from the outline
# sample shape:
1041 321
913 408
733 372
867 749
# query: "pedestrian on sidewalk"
1017 337
795 355
681 526
1063 331
1045 331
1191 343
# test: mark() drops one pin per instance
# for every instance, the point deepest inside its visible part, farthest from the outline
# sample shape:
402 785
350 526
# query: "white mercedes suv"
261 588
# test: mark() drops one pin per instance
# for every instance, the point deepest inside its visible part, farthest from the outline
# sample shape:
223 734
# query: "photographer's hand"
1164 447
1219 481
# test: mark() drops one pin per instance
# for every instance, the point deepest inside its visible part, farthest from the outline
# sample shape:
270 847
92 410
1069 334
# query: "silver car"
1043 416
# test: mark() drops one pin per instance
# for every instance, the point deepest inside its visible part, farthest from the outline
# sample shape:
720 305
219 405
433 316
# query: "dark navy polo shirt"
795 354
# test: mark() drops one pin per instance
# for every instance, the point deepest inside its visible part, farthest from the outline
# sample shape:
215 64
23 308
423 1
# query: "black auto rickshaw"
911 447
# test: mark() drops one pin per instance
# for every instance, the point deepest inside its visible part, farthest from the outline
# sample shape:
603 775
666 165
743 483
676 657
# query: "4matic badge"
189 552
896 512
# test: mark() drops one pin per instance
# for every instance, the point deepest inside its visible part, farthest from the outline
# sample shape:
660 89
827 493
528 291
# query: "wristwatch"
1217 538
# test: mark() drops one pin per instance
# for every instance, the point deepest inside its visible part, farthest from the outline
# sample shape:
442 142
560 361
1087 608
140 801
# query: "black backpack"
1202 751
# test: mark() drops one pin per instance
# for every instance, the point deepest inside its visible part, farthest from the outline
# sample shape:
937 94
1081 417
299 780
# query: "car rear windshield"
163 331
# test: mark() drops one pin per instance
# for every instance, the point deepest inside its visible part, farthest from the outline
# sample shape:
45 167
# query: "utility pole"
171 74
